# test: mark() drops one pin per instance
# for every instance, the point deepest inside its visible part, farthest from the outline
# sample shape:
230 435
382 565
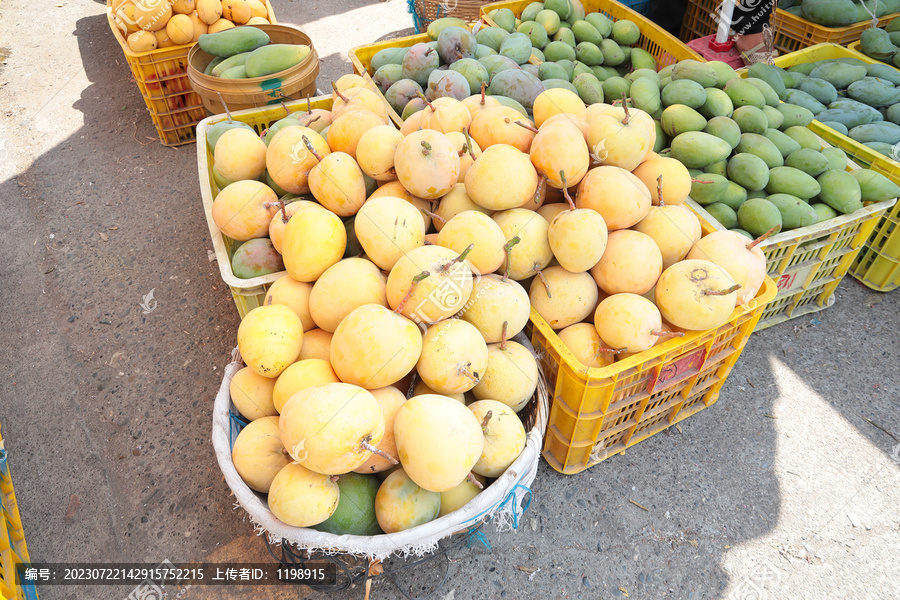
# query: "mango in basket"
233 41
275 58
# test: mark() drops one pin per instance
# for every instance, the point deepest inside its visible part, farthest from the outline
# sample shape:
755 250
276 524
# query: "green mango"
770 96
804 68
837 158
229 63
549 20
538 55
644 73
504 18
277 126
481 51
646 96
695 71
791 78
795 213
886 149
497 64
684 91
852 104
212 65
811 162
773 117
531 11
718 104
885 132
551 70
561 7
535 32
758 215
603 73
215 131
748 171
788 180
785 144
742 232
662 140
744 93
560 83
794 115
724 72
840 190
438 25
823 212
696 149
893 26
769 74
512 103
615 87
521 86
355 512
666 72
801 98
804 137
565 36
724 214
517 47
847 117
724 129
236 40
580 68
641 59
839 127
238 72
600 22
757 194
875 187
707 189
751 119
838 74
719 168
884 72
612 53
761 146
557 51
830 13
491 37
221 182
874 93
877 43
625 32
734 196
585 32
819 89
894 36
679 118
589 88
589 54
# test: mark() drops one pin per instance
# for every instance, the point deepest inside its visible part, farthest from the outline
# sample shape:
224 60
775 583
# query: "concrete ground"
788 487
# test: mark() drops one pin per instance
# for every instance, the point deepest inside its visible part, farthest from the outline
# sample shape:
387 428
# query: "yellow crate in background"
247 293
792 32
665 47
878 264
161 76
596 413
13 549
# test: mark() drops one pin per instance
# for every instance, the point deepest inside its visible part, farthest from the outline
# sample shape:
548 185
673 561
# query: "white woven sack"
504 500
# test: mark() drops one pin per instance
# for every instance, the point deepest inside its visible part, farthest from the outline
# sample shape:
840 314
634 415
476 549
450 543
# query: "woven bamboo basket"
424 12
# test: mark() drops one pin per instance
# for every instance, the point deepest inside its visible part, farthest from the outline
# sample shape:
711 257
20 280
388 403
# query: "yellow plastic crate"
161 76
247 293
791 32
665 47
877 266
12 539
596 413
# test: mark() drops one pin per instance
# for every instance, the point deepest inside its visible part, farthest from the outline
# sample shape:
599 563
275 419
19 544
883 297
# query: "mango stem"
483 88
724 292
421 276
540 274
484 422
565 189
434 216
339 94
625 108
661 333
508 249
377 451
700 181
425 100
471 479
309 147
526 126
426 148
503 335
284 217
659 190
762 238
468 147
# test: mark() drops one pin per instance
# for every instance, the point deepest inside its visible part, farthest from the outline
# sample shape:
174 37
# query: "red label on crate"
672 373
793 281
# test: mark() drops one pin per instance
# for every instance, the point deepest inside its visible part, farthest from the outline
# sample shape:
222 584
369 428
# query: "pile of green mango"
588 54
755 163
839 13
245 52
858 99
